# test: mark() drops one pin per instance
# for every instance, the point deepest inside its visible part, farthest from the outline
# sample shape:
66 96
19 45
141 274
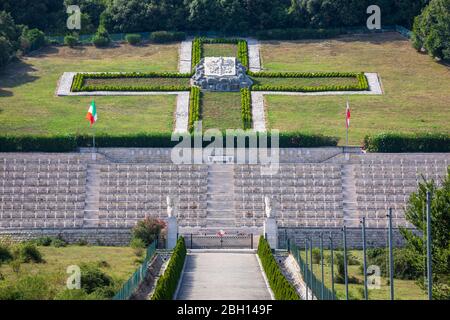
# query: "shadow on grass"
5 93
16 74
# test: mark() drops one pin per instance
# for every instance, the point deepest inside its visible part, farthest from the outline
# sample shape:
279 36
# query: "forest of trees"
23 21
218 15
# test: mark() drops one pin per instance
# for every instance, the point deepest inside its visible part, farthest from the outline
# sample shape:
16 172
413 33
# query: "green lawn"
417 91
120 264
28 104
219 50
221 110
403 289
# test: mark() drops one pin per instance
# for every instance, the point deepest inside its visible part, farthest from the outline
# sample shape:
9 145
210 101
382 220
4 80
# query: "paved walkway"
222 276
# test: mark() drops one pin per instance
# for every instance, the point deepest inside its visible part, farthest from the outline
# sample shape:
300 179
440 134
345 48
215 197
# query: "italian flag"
347 116
92 113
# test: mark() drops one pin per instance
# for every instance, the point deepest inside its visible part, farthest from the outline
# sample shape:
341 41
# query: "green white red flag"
92 113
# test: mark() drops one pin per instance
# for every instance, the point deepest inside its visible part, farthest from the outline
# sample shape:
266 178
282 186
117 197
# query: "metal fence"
316 287
139 275
242 241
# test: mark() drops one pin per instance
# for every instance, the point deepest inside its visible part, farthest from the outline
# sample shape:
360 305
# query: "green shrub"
167 36
32 39
133 39
281 287
168 282
76 294
147 230
28 252
316 255
70 41
194 107
31 287
5 254
340 276
138 245
400 142
246 102
58 243
404 263
82 243
45 241
297 34
92 278
101 38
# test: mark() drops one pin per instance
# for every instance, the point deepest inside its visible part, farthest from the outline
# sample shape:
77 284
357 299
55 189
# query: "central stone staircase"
92 201
220 197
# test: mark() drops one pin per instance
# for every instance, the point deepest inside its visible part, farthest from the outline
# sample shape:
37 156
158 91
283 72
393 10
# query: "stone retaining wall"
107 237
374 237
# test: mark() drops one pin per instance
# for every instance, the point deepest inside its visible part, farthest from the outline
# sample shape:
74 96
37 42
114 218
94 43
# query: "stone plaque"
220 66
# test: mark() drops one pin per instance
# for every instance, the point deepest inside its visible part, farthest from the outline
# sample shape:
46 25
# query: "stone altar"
221 74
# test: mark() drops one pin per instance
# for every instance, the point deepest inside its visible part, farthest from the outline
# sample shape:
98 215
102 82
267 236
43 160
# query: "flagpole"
346 123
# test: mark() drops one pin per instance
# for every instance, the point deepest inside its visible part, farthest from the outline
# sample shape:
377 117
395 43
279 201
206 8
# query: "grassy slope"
121 261
416 97
403 289
221 110
27 93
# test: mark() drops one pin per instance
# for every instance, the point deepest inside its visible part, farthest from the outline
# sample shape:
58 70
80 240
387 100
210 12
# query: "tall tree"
431 29
440 217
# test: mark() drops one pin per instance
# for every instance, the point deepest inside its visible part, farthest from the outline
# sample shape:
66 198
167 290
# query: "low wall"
107 237
375 237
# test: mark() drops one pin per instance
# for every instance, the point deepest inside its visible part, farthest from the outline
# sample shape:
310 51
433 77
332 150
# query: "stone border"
185 59
258 112
182 113
254 58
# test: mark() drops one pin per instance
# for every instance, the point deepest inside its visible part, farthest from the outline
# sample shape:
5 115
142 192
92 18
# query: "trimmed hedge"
243 53
281 287
362 85
197 52
167 36
194 107
70 143
168 282
197 49
297 34
246 102
399 142
78 81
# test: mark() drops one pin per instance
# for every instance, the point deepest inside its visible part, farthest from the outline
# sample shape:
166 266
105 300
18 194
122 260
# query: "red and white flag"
347 117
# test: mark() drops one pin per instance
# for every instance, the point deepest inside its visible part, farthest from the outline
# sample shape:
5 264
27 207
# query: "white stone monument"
172 225
270 224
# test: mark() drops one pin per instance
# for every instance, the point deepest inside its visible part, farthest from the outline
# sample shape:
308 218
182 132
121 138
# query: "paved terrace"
223 276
